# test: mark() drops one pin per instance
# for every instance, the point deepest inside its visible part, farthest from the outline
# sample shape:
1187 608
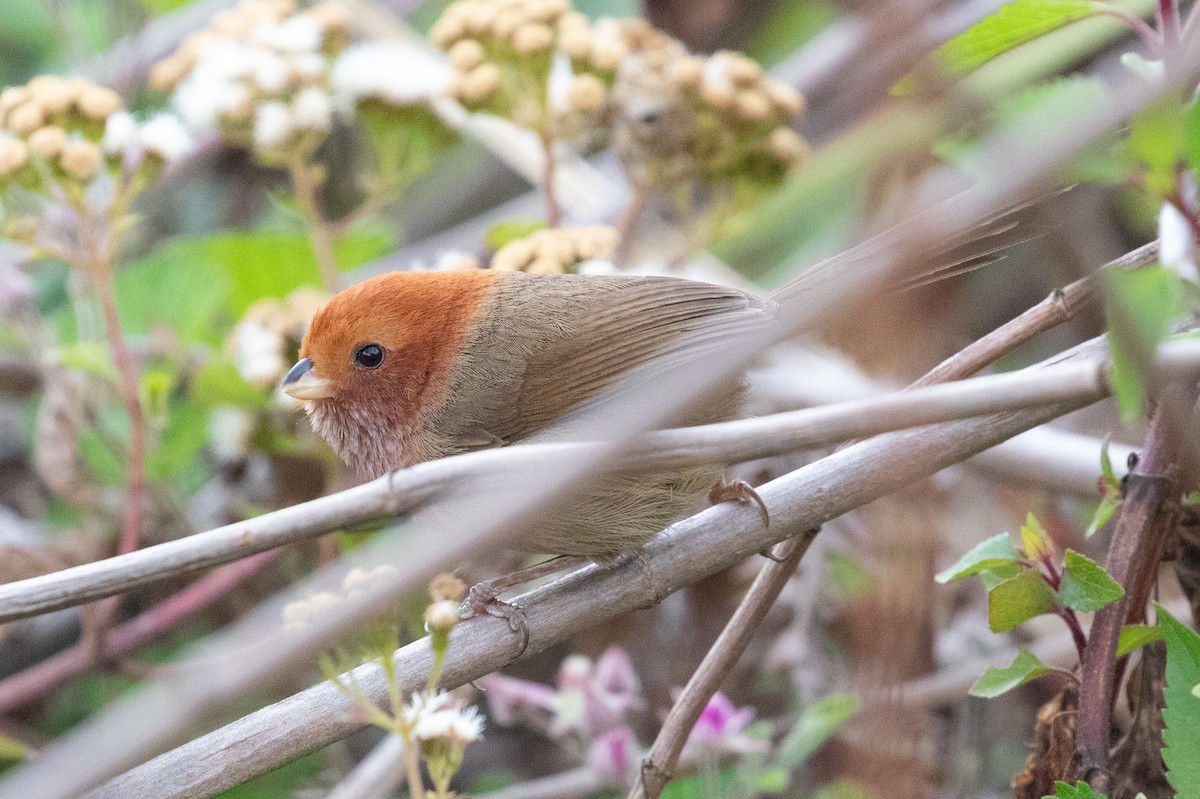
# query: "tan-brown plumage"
476 358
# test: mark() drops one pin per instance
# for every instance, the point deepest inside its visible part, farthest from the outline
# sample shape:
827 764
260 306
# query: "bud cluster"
556 251
258 75
269 332
51 126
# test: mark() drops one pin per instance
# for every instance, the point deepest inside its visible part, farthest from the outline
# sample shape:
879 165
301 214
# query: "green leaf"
87 356
1104 511
772 780
12 749
1035 540
1086 586
179 443
1106 467
994 682
1141 305
511 230
1019 599
1191 499
1012 25
1181 712
1155 139
1190 145
988 554
1080 790
994 576
1135 636
218 382
848 576
154 390
816 725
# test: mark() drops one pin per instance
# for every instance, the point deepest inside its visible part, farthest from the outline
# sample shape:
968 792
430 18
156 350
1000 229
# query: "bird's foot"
483 599
739 491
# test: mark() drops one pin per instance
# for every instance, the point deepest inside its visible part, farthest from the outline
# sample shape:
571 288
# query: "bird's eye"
369 355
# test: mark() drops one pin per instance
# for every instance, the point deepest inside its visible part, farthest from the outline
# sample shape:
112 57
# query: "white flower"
302 611
120 131
297 34
165 137
272 124
311 109
1176 242
393 73
229 430
198 100
437 718
306 66
258 353
270 72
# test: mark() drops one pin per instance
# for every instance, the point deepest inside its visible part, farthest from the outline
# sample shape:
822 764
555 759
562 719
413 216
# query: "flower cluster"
258 75
65 131
443 727
555 251
718 120
269 333
357 581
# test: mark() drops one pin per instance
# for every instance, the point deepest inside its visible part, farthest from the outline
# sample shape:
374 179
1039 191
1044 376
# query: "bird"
410 366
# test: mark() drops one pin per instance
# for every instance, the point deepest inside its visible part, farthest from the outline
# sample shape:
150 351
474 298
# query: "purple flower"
721 728
614 754
512 700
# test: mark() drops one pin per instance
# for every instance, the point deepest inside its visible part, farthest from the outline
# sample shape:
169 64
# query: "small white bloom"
270 72
306 66
558 89
460 726
272 124
596 267
297 34
120 131
311 109
229 430
393 73
1176 242
165 136
236 101
360 579
302 611
258 353
198 100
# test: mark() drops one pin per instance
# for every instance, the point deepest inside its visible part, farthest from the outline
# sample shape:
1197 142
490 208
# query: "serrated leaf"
1086 586
988 554
1135 636
1141 305
1181 711
511 230
993 577
1012 25
1104 511
994 682
1080 790
1019 599
1035 540
817 723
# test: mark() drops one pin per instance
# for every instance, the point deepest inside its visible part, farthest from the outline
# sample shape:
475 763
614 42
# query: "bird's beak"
303 384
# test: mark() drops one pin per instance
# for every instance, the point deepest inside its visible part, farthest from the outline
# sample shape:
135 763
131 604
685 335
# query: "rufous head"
376 360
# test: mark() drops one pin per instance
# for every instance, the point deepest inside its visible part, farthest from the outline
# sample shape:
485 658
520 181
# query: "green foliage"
1181 712
12 749
1080 790
1155 139
1019 599
849 577
1112 493
989 554
817 724
1012 25
1135 636
1141 305
87 356
1024 668
511 230
1035 540
282 783
1086 587
1189 143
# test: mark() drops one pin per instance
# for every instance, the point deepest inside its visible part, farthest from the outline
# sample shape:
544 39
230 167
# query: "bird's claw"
483 599
739 491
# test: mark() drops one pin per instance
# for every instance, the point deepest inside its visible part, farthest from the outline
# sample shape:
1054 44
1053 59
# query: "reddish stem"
1072 620
1168 24
549 169
28 685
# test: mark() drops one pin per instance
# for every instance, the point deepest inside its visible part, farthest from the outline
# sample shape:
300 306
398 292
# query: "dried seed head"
446 587
441 616
168 73
743 71
752 105
466 54
571 21
532 38
719 95
687 72
26 118
97 102
12 97
587 93
547 10
480 82
446 31
607 54
576 43
545 266
81 158
789 101
514 256
52 92
13 154
48 141
787 146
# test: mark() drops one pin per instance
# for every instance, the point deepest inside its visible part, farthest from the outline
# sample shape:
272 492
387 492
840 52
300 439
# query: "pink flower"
512 700
614 755
721 728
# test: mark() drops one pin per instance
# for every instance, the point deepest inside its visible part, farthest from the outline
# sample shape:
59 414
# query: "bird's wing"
595 330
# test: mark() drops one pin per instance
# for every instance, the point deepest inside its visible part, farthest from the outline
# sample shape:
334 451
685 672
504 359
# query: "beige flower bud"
752 105
194 45
587 93
789 101
480 82
51 92
513 257
547 10
446 31
446 587
786 145
742 70
229 23
81 158
12 97
607 54
687 72
481 19
572 20
545 266
26 118
98 102
532 38
466 54
13 154
576 43
505 25
596 242
48 141
442 616
719 95
332 18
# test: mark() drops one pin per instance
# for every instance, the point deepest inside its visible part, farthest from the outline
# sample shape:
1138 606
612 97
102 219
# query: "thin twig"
320 230
549 178
25 686
663 759
741 440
